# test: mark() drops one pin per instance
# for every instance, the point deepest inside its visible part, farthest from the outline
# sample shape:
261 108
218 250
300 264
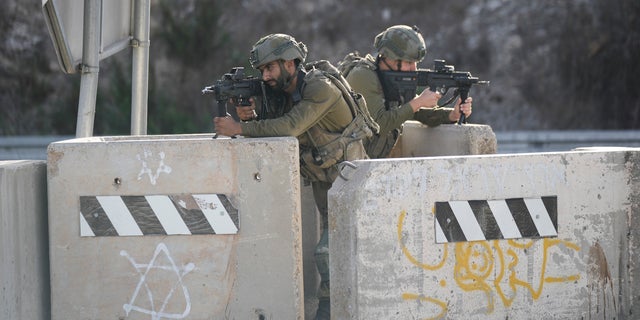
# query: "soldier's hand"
246 113
226 126
465 108
426 99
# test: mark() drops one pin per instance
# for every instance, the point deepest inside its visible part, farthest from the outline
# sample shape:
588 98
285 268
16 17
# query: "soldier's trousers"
320 190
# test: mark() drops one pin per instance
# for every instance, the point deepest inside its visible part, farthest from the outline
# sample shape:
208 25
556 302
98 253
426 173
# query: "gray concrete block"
386 262
254 274
24 258
419 140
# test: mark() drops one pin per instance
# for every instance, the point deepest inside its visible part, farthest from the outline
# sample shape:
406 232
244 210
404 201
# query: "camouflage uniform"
363 78
315 113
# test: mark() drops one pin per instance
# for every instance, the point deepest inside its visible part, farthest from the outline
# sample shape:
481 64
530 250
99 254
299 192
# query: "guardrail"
27 147
551 141
35 147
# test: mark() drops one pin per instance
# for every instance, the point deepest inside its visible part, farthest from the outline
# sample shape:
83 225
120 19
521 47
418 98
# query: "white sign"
65 20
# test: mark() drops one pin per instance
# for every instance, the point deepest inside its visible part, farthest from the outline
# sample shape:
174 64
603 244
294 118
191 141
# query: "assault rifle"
401 86
235 86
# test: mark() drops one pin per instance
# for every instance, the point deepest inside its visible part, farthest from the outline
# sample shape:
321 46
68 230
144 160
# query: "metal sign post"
89 68
83 33
140 66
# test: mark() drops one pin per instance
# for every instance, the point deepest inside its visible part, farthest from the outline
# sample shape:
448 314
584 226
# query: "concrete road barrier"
419 140
533 236
24 251
175 227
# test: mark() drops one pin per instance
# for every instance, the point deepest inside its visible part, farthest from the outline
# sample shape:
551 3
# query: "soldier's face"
270 73
398 65
278 73
408 66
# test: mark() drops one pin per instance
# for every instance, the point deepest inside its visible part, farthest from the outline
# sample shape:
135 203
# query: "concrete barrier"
532 236
443 140
419 140
143 227
24 260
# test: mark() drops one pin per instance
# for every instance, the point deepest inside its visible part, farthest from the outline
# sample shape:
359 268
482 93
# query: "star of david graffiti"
146 170
158 312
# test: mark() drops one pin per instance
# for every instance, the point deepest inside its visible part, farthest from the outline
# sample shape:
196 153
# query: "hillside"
552 64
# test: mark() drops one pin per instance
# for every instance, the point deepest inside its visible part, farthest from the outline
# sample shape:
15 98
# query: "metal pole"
89 68
140 64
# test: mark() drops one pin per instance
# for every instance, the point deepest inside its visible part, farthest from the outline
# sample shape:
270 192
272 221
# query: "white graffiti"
158 312
153 176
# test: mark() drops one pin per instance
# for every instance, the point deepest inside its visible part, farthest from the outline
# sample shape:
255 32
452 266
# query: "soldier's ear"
290 65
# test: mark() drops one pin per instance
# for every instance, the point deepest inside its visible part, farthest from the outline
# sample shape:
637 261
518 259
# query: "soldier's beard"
284 79
279 83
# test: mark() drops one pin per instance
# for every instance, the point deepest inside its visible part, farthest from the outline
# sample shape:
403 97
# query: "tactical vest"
378 145
318 162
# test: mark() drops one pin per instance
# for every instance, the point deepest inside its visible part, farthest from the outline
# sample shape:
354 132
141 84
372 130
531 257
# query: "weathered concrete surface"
385 263
255 274
419 140
24 259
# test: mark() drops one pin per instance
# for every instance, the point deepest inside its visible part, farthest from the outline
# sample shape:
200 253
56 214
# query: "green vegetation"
552 65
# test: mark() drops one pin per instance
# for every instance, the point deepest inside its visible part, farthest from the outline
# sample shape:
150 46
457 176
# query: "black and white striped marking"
478 220
157 215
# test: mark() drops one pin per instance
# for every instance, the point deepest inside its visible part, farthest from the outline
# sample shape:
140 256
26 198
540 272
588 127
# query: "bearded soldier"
309 106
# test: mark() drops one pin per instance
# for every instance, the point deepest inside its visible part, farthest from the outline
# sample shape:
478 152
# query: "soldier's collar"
296 96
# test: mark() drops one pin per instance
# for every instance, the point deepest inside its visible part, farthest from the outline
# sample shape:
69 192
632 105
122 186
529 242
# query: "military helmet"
276 46
401 42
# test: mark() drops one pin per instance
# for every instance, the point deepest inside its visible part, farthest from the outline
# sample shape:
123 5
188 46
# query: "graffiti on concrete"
490 267
145 159
163 264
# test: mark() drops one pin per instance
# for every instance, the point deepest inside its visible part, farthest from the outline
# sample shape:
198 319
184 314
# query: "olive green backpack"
355 100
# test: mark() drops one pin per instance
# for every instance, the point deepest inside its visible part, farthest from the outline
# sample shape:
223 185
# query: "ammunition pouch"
379 146
319 162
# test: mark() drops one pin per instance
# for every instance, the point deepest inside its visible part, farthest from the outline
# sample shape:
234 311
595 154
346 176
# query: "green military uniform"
327 128
320 104
316 106
364 79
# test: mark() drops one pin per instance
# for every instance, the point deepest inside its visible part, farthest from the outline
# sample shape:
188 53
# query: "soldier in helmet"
306 105
399 48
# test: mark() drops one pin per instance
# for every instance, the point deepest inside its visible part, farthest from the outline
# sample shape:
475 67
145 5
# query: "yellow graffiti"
410 256
412 259
441 304
515 281
477 263
474 264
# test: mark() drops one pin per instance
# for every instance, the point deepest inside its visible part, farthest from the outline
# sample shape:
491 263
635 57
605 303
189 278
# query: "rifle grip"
222 112
222 108
463 96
